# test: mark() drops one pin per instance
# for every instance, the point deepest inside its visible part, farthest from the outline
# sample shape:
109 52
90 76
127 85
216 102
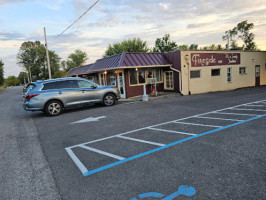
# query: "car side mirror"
94 86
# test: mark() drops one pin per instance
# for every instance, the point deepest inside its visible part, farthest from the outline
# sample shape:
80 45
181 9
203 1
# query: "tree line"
32 55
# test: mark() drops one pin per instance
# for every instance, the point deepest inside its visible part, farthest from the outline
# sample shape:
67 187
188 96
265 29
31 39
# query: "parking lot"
208 146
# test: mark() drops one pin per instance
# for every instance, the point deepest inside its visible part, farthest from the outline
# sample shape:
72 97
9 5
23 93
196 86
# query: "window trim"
229 81
195 71
216 69
245 73
165 88
146 76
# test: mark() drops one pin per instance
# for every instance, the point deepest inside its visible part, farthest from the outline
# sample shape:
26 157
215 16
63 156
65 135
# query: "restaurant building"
184 71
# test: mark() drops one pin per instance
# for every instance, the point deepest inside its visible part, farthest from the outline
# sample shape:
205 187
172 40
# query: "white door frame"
123 87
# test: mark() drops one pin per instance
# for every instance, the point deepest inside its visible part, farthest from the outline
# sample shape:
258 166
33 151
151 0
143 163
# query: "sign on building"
214 59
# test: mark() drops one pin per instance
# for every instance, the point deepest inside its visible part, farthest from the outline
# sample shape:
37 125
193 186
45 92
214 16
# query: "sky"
202 22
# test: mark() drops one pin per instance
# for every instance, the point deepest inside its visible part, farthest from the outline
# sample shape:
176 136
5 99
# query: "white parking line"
255 105
122 160
248 109
102 152
170 131
139 140
237 120
193 124
79 164
234 113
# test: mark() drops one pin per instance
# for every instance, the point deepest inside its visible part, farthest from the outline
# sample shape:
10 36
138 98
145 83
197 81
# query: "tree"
130 45
183 47
211 47
248 38
1 73
75 59
32 58
229 35
193 47
242 30
164 44
11 81
22 77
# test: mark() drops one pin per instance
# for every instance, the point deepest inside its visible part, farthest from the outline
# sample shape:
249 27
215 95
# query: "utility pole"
47 55
29 75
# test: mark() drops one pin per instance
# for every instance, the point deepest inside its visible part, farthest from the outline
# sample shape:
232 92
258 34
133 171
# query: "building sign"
214 59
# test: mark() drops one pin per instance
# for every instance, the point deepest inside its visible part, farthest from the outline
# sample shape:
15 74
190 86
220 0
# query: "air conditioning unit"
152 80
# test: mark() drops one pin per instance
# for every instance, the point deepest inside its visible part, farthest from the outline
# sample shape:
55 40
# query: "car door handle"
83 91
59 92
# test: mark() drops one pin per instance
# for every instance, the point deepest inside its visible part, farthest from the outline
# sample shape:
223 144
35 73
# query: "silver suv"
51 96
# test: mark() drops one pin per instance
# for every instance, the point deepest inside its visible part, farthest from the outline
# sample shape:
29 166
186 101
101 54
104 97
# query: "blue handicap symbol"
185 190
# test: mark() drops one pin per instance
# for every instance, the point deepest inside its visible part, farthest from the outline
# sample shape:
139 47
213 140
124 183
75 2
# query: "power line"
78 19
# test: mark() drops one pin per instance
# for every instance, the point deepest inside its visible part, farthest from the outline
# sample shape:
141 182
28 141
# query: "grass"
2 89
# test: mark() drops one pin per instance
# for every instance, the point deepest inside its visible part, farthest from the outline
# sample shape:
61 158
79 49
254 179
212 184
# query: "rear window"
30 87
49 86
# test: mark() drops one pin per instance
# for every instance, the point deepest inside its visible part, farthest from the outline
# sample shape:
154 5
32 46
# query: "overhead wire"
77 19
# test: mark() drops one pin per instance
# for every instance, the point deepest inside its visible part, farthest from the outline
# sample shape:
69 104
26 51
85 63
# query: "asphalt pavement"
167 148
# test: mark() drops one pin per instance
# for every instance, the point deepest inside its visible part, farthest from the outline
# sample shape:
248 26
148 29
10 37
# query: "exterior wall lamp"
187 58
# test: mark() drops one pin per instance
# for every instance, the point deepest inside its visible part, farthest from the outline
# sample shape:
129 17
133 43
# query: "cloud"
198 25
6 2
10 66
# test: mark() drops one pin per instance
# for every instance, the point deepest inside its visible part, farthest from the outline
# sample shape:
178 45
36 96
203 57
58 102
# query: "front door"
121 84
257 75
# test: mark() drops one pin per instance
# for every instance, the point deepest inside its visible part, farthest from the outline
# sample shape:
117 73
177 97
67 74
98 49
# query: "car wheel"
109 100
53 108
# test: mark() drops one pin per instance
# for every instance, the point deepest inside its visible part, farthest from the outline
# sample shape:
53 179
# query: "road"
132 151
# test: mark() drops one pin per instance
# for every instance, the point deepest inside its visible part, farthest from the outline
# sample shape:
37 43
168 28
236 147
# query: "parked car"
25 88
52 96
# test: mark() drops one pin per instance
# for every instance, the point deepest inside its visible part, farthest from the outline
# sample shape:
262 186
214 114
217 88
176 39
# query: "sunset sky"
187 21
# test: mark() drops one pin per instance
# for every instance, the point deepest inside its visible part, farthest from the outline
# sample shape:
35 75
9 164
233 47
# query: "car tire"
109 99
53 108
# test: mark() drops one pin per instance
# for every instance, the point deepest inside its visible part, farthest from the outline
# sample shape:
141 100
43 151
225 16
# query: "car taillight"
31 95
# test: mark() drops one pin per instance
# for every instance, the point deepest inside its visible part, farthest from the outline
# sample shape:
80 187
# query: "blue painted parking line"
167 146
184 190
156 128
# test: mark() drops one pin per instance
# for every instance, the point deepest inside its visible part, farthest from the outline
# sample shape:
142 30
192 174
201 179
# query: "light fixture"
187 58
105 72
136 69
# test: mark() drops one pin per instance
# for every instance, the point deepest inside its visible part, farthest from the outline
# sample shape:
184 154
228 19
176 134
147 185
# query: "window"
158 75
195 74
215 72
150 73
102 82
73 84
49 86
133 77
141 76
111 79
85 84
169 81
242 70
62 84
229 78
155 73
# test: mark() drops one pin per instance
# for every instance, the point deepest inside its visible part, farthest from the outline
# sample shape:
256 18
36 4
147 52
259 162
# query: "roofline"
129 67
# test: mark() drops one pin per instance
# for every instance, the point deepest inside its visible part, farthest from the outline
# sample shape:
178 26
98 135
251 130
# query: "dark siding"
175 59
132 91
